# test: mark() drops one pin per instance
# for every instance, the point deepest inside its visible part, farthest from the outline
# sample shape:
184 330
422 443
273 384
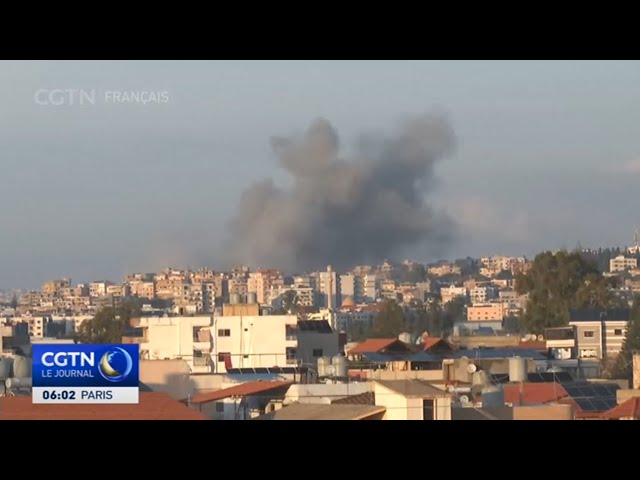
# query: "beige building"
270 341
412 400
622 263
488 312
186 338
143 289
262 281
444 269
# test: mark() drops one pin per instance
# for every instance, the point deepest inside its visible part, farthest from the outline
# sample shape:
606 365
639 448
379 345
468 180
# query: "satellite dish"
471 368
464 399
540 337
464 359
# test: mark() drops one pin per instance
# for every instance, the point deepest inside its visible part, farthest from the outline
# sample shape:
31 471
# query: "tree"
624 362
390 321
108 325
558 282
14 302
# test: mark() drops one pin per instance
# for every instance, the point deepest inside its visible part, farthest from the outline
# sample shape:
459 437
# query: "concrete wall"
324 393
431 375
636 371
396 405
253 341
624 395
544 412
310 341
168 376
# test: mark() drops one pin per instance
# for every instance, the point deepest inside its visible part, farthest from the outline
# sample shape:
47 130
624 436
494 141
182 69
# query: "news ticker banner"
85 373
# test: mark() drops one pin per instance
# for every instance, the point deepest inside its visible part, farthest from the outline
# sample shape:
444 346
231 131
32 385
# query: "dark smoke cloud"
344 212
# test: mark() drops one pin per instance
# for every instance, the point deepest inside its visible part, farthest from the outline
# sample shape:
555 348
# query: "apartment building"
482 294
488 312
169 338
262 281
99 289
622 263
143 289
270 341
599 333
452 292
444 269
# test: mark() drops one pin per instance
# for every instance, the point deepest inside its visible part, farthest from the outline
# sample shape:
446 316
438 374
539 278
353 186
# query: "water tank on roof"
252 298
405 337
517 369
323 366
22 367
5 367
480 378
234 298
339 366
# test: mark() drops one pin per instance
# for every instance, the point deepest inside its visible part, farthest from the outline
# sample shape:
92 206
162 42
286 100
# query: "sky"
547 153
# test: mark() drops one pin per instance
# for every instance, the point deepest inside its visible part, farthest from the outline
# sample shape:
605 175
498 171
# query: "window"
223 356
291 356
291 331
589 334
219 407
428 409
617 332
224 332
317 352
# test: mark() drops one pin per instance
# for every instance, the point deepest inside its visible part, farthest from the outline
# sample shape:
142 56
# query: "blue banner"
82 365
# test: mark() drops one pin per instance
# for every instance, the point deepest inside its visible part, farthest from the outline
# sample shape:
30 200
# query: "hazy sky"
548 154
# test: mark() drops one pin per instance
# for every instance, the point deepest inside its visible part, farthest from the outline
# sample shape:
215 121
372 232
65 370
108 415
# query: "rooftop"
372 345
366 398
413 388
242 390
152 406
628 409
309 411
533 393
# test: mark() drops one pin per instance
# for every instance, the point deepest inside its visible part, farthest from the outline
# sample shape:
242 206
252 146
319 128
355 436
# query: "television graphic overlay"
85 374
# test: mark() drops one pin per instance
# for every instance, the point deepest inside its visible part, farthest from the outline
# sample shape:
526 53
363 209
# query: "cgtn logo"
85 373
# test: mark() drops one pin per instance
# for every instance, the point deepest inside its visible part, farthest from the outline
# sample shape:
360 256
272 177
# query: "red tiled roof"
430 342
242 390
373 345
534 393
152 406
630 408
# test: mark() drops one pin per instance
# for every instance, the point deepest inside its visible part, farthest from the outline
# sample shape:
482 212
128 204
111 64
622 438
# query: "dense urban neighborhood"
500 337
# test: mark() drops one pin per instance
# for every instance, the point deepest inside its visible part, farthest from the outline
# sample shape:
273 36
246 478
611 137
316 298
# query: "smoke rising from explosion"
345 212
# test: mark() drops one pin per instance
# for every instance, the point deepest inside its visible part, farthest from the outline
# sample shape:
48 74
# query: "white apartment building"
269 341
186 338
98 289
482 294
622 263
449 293
351 286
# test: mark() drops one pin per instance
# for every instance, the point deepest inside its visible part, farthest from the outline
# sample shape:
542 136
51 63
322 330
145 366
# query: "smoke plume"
344 212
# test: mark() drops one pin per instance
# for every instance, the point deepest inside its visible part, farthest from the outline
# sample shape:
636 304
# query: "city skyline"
546 155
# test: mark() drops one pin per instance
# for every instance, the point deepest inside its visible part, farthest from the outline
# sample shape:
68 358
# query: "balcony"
567 343
202 346
201 361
